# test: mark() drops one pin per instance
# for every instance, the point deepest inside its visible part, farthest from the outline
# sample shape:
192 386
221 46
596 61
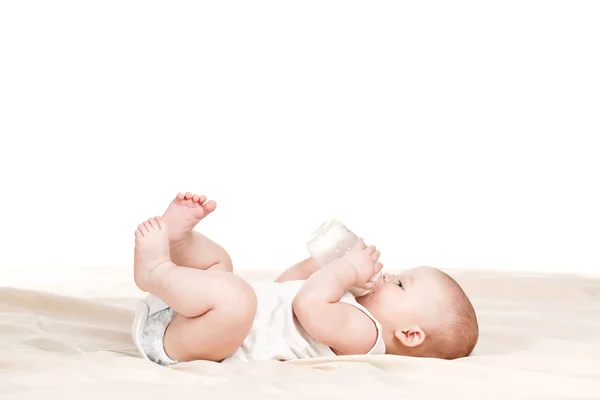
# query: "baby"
198 309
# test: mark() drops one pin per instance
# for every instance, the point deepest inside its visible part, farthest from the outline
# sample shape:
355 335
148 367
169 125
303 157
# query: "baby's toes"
209 206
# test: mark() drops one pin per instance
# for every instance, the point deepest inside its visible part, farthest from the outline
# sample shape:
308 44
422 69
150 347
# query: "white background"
453 134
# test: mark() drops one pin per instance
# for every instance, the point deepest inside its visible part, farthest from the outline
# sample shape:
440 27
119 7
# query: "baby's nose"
387 277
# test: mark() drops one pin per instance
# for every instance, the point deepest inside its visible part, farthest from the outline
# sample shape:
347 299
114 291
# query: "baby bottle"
332 240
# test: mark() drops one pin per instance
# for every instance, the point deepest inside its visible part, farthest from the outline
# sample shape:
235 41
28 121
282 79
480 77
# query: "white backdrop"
458 135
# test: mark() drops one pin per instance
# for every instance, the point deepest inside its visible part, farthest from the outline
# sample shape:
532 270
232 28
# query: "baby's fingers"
370 249
360 244
377 267
369 285
375 255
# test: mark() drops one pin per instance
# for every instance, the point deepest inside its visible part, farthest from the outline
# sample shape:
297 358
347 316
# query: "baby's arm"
300 271
342 327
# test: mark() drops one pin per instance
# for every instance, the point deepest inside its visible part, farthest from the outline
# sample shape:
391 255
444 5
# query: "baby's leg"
215 309
188 247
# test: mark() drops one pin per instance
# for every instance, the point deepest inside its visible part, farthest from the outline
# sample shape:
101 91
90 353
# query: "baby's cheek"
390 297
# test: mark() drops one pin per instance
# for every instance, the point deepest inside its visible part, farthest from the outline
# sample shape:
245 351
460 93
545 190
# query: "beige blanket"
540 338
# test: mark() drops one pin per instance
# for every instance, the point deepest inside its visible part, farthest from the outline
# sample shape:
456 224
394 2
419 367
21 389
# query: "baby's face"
414 298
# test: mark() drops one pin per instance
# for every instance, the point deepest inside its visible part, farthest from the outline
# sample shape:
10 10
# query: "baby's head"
424 313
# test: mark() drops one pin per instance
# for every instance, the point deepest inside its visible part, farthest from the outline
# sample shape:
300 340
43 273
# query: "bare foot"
183 214
151 250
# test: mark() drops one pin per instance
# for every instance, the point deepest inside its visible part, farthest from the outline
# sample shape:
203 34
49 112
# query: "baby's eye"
400 284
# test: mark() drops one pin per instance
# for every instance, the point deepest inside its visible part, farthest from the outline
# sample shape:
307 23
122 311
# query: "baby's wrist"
345 273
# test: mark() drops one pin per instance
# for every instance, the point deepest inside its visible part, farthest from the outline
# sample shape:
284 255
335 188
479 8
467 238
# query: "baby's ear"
410 337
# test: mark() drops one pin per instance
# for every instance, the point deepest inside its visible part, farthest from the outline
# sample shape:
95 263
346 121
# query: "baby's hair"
457 339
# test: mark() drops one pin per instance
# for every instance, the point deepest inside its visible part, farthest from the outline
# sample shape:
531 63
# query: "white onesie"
276 334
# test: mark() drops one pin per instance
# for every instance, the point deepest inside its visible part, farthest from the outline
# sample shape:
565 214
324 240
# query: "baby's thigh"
215 335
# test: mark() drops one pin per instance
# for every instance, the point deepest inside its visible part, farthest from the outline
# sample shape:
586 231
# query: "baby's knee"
239 301
226 261
223 263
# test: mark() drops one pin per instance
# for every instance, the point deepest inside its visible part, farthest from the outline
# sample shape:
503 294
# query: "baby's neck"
360 300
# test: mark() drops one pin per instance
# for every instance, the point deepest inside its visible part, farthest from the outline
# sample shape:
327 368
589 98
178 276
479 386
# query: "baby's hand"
364 260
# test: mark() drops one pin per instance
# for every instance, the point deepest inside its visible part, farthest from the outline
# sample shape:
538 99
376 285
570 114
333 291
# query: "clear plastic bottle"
332 240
